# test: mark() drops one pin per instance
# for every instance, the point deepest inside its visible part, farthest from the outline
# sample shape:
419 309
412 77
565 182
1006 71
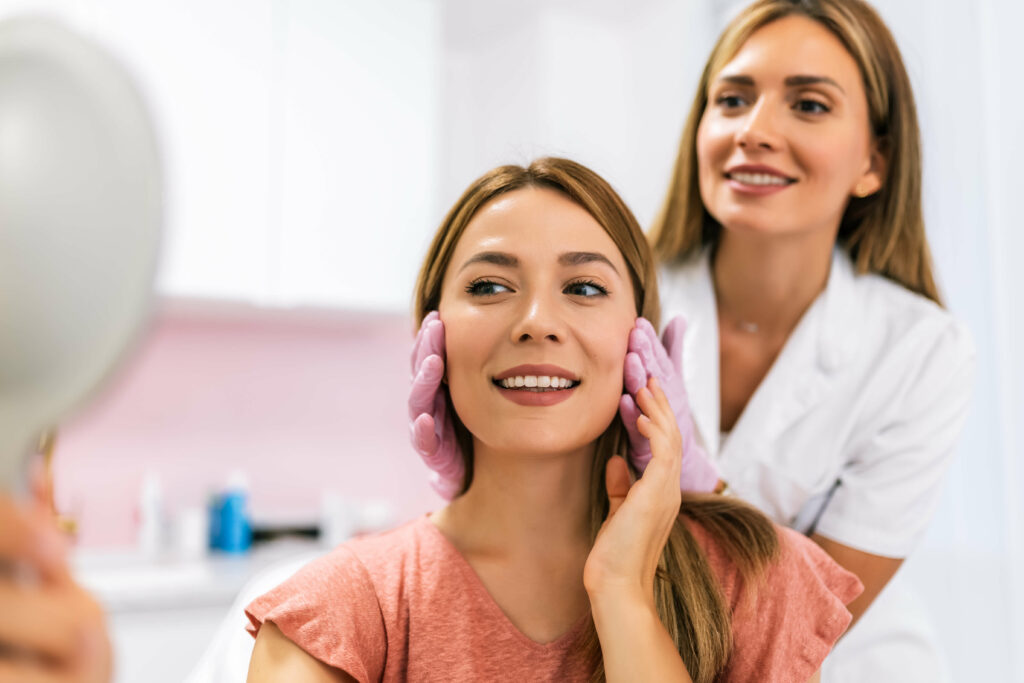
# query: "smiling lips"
757 179
536 385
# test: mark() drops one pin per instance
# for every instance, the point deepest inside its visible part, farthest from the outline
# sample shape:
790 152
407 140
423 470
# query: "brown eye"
730 101
812 107
485 288
585 288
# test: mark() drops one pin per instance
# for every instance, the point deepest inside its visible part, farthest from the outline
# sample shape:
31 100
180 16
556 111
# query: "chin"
746 222
536 439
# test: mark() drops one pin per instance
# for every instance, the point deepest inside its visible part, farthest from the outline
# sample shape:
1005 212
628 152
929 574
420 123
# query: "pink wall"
302 401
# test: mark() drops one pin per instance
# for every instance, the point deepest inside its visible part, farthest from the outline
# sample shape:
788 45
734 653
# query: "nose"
758 131
538 319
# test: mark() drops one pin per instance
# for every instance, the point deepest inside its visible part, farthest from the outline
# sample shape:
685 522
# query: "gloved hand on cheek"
646 357
430 428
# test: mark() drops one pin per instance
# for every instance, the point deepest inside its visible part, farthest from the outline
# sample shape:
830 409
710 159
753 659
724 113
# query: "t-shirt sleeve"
787 622
888 489
329 608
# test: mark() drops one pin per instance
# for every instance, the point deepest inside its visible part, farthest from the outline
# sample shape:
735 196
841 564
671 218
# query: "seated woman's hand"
640 515
50 628
430 428
663 359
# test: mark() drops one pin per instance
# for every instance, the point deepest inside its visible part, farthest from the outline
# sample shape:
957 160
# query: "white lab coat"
849 435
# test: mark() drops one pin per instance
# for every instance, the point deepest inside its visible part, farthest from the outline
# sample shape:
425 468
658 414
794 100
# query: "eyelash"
474 287
824 109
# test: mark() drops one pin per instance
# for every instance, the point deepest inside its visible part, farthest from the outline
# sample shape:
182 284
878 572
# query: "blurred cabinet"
298 139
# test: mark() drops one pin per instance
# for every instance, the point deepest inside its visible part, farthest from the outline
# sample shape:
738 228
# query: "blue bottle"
230 524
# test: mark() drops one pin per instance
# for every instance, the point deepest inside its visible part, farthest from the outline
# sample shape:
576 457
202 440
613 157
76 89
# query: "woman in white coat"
827 383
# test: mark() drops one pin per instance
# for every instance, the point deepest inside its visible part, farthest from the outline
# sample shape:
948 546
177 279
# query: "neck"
522 505
766 283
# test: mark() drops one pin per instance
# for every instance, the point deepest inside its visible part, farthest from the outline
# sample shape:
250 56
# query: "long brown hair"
884 232
687 595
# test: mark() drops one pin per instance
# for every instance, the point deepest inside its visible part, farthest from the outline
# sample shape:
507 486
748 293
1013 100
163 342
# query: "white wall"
299 140
605 83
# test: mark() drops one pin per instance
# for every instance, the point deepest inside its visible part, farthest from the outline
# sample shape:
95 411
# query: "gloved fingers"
645 339
640 344
432 343
447 461
442 459
672 341
429 340
639 446
634 375
446 488
424 440
425 386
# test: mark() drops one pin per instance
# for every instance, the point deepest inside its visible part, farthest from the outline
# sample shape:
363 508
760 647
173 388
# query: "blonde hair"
884 233
688 598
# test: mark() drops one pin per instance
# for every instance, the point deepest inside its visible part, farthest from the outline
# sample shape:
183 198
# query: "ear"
873 177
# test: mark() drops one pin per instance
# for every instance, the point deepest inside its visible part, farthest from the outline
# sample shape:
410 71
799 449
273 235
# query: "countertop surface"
126 579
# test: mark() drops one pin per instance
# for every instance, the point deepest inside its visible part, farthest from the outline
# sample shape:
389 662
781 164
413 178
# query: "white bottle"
151 515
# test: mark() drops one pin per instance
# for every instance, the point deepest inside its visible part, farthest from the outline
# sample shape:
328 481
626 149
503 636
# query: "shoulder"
916 351
786 621
397 547
337 607
798 558
902 316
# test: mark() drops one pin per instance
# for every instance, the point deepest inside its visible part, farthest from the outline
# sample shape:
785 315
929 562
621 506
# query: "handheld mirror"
80 218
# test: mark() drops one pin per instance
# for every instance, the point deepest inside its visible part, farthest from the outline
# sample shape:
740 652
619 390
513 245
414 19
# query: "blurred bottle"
230 522
191 528
151 515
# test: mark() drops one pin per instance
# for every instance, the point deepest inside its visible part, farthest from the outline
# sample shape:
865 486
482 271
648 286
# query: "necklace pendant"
750 328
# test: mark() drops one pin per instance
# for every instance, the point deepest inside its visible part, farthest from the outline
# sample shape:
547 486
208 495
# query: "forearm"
634 643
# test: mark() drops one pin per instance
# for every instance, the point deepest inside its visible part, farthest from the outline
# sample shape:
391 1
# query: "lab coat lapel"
802 375
700 352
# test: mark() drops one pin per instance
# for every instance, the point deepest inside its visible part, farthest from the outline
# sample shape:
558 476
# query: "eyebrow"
791 81
569 258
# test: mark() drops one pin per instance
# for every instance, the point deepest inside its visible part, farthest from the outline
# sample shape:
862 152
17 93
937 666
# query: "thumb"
616 480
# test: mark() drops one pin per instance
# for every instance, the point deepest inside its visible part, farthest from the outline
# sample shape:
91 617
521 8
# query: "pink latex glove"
648 357
431 432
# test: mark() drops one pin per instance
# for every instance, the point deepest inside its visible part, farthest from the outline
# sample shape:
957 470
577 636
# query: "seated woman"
552 563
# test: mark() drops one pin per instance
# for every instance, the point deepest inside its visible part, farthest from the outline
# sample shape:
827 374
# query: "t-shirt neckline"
562 642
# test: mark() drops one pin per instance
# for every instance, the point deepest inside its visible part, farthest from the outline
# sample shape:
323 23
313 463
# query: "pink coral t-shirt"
405 605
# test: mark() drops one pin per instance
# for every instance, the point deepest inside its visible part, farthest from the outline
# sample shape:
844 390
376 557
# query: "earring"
859 192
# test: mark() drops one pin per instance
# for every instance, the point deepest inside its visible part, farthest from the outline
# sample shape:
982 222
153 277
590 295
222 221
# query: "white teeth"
535 381
758 179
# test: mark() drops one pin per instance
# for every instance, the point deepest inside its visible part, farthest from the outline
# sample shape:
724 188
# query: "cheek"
834 158
607 349
705 144
713 147
463 340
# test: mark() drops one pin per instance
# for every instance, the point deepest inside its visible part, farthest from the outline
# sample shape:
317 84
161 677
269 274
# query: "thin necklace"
748 327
